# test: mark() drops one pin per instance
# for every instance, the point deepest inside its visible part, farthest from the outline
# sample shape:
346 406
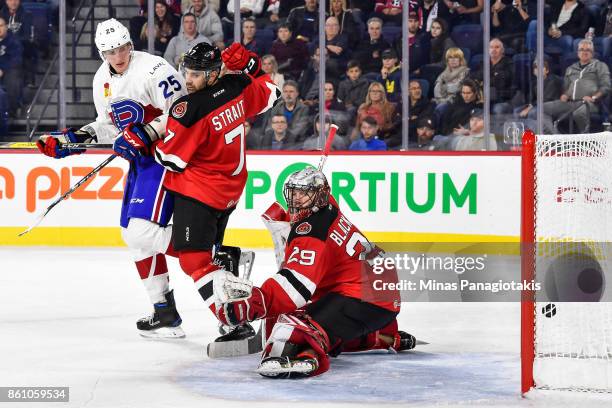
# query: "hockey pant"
148 242
330 325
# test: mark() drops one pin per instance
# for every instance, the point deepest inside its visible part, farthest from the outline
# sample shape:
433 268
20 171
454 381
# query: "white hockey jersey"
145 91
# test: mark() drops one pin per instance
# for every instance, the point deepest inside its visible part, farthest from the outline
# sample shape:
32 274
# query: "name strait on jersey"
227 116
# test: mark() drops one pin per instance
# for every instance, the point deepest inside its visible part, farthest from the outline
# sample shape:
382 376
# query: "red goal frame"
527 259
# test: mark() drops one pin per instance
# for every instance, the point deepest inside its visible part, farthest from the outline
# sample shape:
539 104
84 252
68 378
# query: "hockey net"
566 330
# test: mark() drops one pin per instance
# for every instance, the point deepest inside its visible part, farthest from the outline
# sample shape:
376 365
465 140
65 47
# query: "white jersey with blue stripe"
143 92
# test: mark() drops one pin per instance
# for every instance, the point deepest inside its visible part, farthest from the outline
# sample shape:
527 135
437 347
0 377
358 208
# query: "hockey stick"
330 138
67 193
32 145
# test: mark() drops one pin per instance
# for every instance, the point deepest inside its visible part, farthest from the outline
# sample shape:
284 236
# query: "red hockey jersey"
204 147
324 254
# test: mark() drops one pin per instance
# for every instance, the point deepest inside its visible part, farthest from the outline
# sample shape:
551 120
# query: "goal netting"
567 215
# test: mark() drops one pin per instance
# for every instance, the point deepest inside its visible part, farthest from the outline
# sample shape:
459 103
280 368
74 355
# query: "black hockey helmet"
202 57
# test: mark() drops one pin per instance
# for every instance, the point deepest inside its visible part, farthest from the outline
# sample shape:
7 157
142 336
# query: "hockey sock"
153 271
198 265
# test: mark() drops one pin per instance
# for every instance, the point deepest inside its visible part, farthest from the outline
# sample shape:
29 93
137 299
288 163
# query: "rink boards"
393 197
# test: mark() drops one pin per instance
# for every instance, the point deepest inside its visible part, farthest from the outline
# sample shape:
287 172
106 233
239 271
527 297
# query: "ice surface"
67 318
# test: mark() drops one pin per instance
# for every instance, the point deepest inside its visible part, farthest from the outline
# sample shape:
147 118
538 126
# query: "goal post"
566 234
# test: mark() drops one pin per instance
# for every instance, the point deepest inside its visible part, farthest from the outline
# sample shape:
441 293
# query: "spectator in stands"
377 106
286 6
271 12
253 139
464 11
331 101
293 109
304 21
214 4
418 43
440 41
309 80
11 59
353 90
391 75
509 20
604 24
187 38
248 8
368 53
336 44
346 19
166 27
368 136
525 102
278 137
420 107
291 54
20 24
457 115
389 11
249 29
363 7
312 141
502 77
432 10
425 130
209 23
567 18
270 67
472 139
586 83
450 80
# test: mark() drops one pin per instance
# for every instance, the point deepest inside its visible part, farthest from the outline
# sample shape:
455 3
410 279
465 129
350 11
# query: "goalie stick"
32 145
67 193
255 344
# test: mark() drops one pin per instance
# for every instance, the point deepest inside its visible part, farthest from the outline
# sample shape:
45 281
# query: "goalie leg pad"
345 318
292 335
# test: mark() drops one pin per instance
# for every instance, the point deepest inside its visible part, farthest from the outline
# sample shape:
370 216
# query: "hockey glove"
237 58
51 144
134 141
228 287
235 313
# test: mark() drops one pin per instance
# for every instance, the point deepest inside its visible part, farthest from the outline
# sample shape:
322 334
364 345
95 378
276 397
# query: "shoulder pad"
191 108
240 79
316 225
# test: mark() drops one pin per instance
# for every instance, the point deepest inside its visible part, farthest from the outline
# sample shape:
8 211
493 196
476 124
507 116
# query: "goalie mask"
202 57
306 192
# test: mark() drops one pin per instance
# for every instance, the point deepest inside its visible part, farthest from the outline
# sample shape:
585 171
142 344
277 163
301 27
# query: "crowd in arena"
363 58
21 43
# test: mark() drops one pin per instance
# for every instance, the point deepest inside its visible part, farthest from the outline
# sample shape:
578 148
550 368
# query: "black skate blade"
235 348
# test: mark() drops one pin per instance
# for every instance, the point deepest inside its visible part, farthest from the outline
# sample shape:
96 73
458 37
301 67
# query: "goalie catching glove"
53 144
237 300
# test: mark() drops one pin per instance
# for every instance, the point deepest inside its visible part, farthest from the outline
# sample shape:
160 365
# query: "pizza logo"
179 110
303 229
